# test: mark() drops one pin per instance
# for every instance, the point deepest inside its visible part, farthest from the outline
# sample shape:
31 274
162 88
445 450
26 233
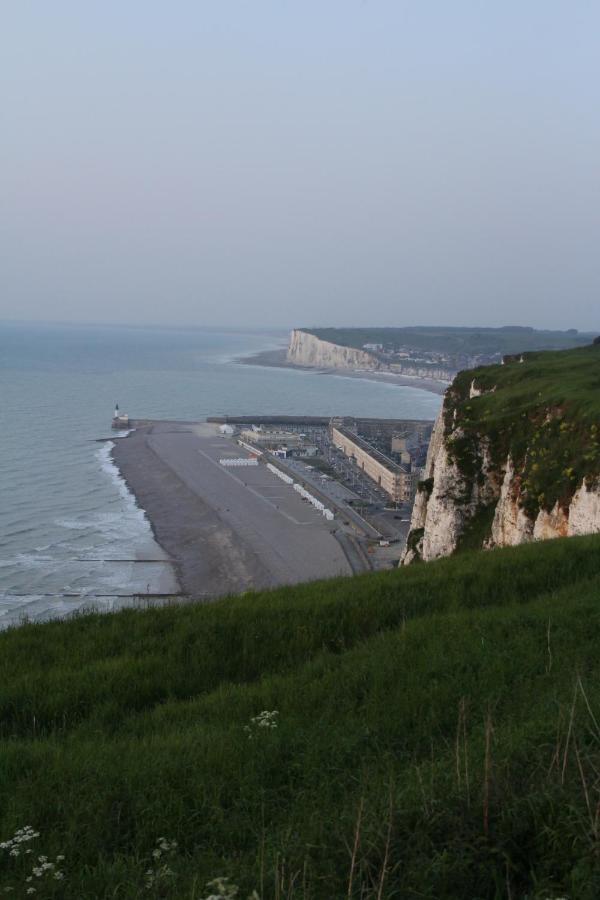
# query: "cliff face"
447 500
307 350
511 524
514 457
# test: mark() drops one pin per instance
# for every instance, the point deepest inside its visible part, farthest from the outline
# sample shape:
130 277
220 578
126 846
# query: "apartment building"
396 481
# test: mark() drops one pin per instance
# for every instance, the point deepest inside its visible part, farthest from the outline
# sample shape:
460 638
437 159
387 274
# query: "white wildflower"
265 719
223 889
156 876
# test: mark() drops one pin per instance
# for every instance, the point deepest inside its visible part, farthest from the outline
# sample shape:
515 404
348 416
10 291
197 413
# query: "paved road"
324 483
230 529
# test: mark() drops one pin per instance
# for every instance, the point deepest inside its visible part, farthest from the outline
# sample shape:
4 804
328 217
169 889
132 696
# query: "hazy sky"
280 162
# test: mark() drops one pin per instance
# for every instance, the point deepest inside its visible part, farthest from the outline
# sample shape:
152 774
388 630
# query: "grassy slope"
118 729
544 411
454 340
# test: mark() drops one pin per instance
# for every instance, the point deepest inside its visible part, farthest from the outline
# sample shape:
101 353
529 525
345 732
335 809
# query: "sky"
271 163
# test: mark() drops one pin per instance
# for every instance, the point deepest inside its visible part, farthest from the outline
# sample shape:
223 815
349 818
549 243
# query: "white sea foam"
29 561
128 523
107 465
77 559
74 524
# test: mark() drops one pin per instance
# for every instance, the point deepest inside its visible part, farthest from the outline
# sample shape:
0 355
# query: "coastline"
278 359
223 534
150 550
149 483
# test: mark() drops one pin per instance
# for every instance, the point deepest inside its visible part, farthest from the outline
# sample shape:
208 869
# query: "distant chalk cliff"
307 350
514 457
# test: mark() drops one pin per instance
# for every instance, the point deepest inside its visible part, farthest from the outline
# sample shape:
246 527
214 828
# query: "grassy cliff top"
436 736
453 341
544 411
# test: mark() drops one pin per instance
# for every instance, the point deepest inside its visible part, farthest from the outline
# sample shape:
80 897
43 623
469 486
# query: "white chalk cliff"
448 502
437 513
511 525
306 349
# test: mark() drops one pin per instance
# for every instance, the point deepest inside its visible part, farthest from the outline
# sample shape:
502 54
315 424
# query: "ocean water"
69 528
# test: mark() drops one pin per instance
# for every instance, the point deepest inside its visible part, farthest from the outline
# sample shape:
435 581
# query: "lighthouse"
120 420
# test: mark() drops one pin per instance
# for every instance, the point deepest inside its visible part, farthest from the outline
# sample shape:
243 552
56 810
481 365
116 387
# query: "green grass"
544 412
426 719
470 341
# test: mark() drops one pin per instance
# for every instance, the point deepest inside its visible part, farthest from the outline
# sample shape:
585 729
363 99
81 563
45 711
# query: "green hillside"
470 341
544 411
437 736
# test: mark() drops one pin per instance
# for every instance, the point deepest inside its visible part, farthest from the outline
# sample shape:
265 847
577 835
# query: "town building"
271 438
399 483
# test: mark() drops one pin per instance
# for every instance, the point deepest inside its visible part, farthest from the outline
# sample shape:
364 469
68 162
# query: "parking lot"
345 470
339 478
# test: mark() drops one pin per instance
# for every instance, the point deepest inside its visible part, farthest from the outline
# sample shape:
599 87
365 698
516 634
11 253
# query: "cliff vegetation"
452 341
514 456
540 409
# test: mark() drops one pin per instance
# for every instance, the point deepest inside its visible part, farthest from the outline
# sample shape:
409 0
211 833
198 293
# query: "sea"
72 536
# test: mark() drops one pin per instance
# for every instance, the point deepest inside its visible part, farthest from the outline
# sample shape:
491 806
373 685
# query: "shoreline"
169 560
277 359
126 463
149 549
224 534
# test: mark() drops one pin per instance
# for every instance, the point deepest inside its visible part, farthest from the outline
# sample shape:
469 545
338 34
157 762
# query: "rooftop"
372 451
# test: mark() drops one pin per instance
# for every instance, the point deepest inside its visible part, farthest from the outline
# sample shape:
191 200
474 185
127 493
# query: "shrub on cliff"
542 410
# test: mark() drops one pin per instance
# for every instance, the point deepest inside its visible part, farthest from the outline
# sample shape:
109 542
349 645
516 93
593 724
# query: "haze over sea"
64 511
